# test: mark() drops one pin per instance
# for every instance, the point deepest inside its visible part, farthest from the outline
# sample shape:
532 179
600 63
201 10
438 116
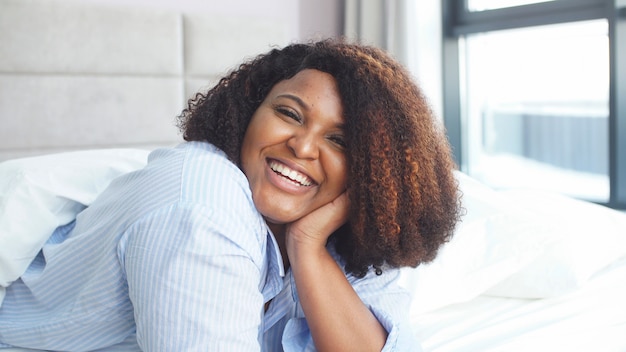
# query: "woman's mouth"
292 175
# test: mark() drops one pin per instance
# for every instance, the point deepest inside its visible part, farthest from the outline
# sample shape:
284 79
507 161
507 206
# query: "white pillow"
590 237
38 194
518 244
495 239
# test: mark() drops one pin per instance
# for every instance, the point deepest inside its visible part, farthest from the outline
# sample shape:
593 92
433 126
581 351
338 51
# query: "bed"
524 270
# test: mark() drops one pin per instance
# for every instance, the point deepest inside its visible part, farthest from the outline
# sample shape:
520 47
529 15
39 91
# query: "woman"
309 175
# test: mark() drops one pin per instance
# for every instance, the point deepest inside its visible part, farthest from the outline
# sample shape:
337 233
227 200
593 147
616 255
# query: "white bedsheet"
592 318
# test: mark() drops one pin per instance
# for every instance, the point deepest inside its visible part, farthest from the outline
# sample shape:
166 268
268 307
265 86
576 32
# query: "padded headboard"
82 75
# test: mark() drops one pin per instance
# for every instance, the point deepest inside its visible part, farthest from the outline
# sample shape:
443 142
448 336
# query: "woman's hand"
337 318
312 231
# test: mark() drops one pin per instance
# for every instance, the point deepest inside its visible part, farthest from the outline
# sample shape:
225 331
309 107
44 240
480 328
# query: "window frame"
457 22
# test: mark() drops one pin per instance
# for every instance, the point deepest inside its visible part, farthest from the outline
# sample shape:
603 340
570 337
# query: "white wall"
321 18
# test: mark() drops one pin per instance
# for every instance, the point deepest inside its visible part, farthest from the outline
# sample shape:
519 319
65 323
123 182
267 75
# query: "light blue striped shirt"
174 257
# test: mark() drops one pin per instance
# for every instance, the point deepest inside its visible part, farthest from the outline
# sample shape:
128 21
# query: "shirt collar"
275 254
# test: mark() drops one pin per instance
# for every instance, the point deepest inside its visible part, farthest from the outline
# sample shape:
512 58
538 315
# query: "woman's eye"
289 113
338 140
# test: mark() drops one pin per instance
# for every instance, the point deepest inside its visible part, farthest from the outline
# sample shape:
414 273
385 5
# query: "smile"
293 175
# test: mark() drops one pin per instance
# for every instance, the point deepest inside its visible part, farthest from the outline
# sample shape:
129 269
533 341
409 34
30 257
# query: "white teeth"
291 174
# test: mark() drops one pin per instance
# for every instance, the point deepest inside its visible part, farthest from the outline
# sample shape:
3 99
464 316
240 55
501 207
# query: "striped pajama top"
174 257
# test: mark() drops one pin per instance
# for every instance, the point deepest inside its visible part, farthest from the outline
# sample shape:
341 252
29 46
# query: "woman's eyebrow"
297 99
305 106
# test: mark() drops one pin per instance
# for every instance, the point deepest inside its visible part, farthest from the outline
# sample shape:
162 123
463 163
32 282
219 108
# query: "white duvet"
592 318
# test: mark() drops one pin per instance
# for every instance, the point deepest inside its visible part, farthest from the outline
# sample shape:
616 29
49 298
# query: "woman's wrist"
303 248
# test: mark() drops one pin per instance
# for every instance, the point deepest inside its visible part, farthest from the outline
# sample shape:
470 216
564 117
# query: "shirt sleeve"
389 303
194 286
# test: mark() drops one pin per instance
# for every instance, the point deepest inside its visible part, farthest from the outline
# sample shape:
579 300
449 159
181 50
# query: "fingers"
319 224
338 210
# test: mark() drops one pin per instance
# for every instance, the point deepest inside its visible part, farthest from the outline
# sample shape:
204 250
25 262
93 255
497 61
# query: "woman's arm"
192 284
337 318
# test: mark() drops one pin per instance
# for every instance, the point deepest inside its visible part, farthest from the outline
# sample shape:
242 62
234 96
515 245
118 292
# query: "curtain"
381 23
410 30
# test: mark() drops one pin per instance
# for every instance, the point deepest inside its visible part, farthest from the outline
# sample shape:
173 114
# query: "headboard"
83 75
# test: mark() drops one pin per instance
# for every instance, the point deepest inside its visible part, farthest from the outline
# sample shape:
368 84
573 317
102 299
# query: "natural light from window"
482 5
537 106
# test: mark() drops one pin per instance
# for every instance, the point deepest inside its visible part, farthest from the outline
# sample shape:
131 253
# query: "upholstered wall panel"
79 74
232 39
74 112
195 85
58 37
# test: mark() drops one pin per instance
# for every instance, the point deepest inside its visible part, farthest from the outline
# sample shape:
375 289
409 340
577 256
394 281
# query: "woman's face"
293 152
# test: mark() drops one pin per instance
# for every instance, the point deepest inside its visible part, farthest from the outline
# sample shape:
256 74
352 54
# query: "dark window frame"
457 22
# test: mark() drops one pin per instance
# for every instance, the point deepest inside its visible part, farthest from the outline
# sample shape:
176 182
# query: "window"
530 95
482 5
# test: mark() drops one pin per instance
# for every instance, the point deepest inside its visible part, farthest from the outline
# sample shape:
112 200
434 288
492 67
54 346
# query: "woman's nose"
304 145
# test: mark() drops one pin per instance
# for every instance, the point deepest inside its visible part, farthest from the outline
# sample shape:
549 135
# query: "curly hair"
404 198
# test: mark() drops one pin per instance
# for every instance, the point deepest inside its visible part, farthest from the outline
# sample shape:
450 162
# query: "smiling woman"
308 177
290 152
